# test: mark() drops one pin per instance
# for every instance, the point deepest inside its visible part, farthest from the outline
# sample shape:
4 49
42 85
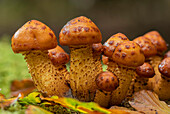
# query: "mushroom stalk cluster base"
83 72
48 79
125 76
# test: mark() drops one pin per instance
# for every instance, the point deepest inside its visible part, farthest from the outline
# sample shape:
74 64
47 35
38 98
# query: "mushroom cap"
157 40
80 31
33 35
97 48
105 60
164 67
145 71
107 81
146 45
167 54
58 56
128 54
110 45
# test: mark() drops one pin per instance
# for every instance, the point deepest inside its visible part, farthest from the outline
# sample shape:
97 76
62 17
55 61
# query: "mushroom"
143 72
160 45
167 54
150 51
127 55
146 46
106 83
33 40
162 80
110 45
79 34
59 58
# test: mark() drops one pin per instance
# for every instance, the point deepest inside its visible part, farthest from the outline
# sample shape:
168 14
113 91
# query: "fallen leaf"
148 102
124 109
32 98
36 110
25 86
7 102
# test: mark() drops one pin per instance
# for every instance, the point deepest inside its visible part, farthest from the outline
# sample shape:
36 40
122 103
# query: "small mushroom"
33 40
79 34
157 40
110 45
59 58
106 83
143 72
162 80
127 56
161 47
146 46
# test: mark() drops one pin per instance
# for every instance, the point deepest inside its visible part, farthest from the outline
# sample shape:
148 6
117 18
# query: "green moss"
12 67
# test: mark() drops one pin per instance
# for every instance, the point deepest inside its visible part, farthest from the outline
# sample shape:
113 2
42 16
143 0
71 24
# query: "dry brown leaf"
148 102
125 109
25 86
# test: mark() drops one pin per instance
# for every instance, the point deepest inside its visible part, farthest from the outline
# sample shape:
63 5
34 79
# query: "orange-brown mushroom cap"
164 67
146 45
157 40
58 56
33 35
80 31
107 81
110 45
128 54
167 54
97 48
145 71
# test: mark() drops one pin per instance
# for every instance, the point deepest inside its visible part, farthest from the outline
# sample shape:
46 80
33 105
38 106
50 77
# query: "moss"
12 67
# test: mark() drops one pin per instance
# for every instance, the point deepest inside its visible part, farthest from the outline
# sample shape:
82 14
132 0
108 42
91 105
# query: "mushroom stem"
161 87
103 98
125 76
154 60
140 84
83 72
45 75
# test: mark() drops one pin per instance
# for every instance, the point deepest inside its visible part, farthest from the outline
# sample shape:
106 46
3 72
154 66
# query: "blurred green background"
131 17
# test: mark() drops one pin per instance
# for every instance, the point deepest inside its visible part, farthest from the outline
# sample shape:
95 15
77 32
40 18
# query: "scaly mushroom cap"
58 56
110 45
164 67
128 54
167 54
146 45
97 48
107 81
145 71
157 40
80 31
33 35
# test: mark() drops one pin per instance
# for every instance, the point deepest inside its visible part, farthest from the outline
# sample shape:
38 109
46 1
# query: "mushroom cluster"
132 65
